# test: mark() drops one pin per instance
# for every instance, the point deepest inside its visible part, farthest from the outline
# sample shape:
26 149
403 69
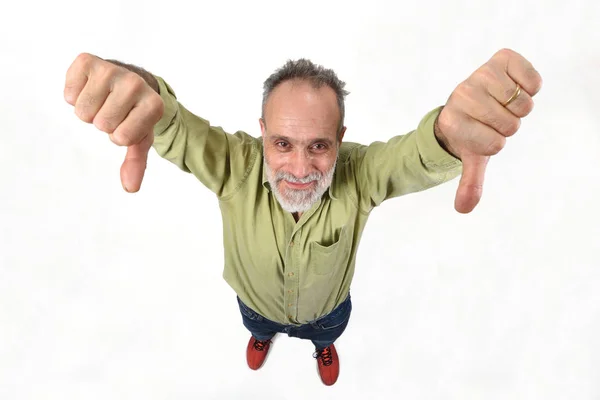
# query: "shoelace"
325 356
260 344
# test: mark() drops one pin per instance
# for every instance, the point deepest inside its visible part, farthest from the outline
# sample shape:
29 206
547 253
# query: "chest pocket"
325 259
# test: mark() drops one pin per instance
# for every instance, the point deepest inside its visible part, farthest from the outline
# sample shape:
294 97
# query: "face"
301 142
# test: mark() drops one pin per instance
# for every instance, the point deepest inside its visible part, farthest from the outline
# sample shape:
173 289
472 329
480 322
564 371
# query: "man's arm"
405 164
474 124
139 110
218 159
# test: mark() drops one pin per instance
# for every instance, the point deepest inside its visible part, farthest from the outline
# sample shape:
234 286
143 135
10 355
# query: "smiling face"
301 139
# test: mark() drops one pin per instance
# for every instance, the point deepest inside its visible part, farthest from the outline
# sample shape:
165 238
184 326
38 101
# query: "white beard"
299 200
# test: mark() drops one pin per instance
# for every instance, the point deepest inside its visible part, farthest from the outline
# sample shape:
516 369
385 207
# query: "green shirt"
295 272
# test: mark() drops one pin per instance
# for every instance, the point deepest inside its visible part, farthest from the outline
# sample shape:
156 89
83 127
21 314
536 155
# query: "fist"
481 113
120 103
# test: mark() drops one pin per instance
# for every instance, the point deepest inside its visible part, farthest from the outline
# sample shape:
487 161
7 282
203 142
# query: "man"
295 201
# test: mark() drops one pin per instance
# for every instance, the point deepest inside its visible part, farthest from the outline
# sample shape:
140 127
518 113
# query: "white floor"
106 295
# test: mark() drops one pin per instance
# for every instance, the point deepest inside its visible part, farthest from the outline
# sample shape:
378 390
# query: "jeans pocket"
248 312
337 317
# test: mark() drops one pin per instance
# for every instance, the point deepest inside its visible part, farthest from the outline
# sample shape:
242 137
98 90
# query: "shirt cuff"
171 106
430 149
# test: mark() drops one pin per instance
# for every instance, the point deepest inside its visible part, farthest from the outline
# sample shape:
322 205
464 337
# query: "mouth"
298 186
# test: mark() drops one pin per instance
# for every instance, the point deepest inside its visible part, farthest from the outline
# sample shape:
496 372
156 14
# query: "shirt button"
289 316
289 305
292 243
291 274
290 291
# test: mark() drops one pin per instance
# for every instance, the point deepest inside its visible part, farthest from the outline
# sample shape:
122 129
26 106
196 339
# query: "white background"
109 295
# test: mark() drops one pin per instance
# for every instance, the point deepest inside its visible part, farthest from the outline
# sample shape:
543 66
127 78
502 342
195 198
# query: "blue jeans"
322 332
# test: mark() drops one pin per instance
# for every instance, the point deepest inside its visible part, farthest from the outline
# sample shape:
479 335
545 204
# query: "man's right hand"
119 102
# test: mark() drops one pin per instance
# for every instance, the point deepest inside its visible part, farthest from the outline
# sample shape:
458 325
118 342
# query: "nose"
300 165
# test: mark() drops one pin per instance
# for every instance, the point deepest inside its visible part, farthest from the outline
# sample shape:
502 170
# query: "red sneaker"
256 352
328 364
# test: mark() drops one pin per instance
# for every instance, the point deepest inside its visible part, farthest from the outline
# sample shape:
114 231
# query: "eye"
320 147
280 144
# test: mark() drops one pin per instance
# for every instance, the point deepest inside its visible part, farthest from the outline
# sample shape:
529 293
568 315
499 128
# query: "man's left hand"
476 120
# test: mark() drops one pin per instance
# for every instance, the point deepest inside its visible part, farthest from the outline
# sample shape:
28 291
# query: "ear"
263 127
341 135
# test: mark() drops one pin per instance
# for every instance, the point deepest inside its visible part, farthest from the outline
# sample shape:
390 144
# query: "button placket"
291 278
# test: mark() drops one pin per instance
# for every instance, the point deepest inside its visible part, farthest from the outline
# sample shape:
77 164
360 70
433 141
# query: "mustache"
281 175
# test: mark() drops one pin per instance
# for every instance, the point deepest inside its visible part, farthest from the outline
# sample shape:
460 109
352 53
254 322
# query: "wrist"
441 139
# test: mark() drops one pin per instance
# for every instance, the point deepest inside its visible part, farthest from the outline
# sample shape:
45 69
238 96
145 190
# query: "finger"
482 107
519 70
140 120
477 137
92 97
77 77
134 166
470 186
117 106
502 88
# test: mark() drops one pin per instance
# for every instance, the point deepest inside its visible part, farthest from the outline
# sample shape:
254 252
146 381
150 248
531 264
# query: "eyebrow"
275 136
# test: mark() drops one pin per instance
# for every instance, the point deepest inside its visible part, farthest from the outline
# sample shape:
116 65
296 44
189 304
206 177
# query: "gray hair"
305 70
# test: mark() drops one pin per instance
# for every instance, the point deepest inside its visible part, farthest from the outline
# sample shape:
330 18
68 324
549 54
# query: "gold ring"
514 96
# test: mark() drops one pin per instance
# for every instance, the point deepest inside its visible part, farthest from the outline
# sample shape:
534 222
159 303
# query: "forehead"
297 109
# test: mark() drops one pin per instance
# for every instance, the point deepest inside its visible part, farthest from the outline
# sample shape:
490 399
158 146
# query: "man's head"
302 127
